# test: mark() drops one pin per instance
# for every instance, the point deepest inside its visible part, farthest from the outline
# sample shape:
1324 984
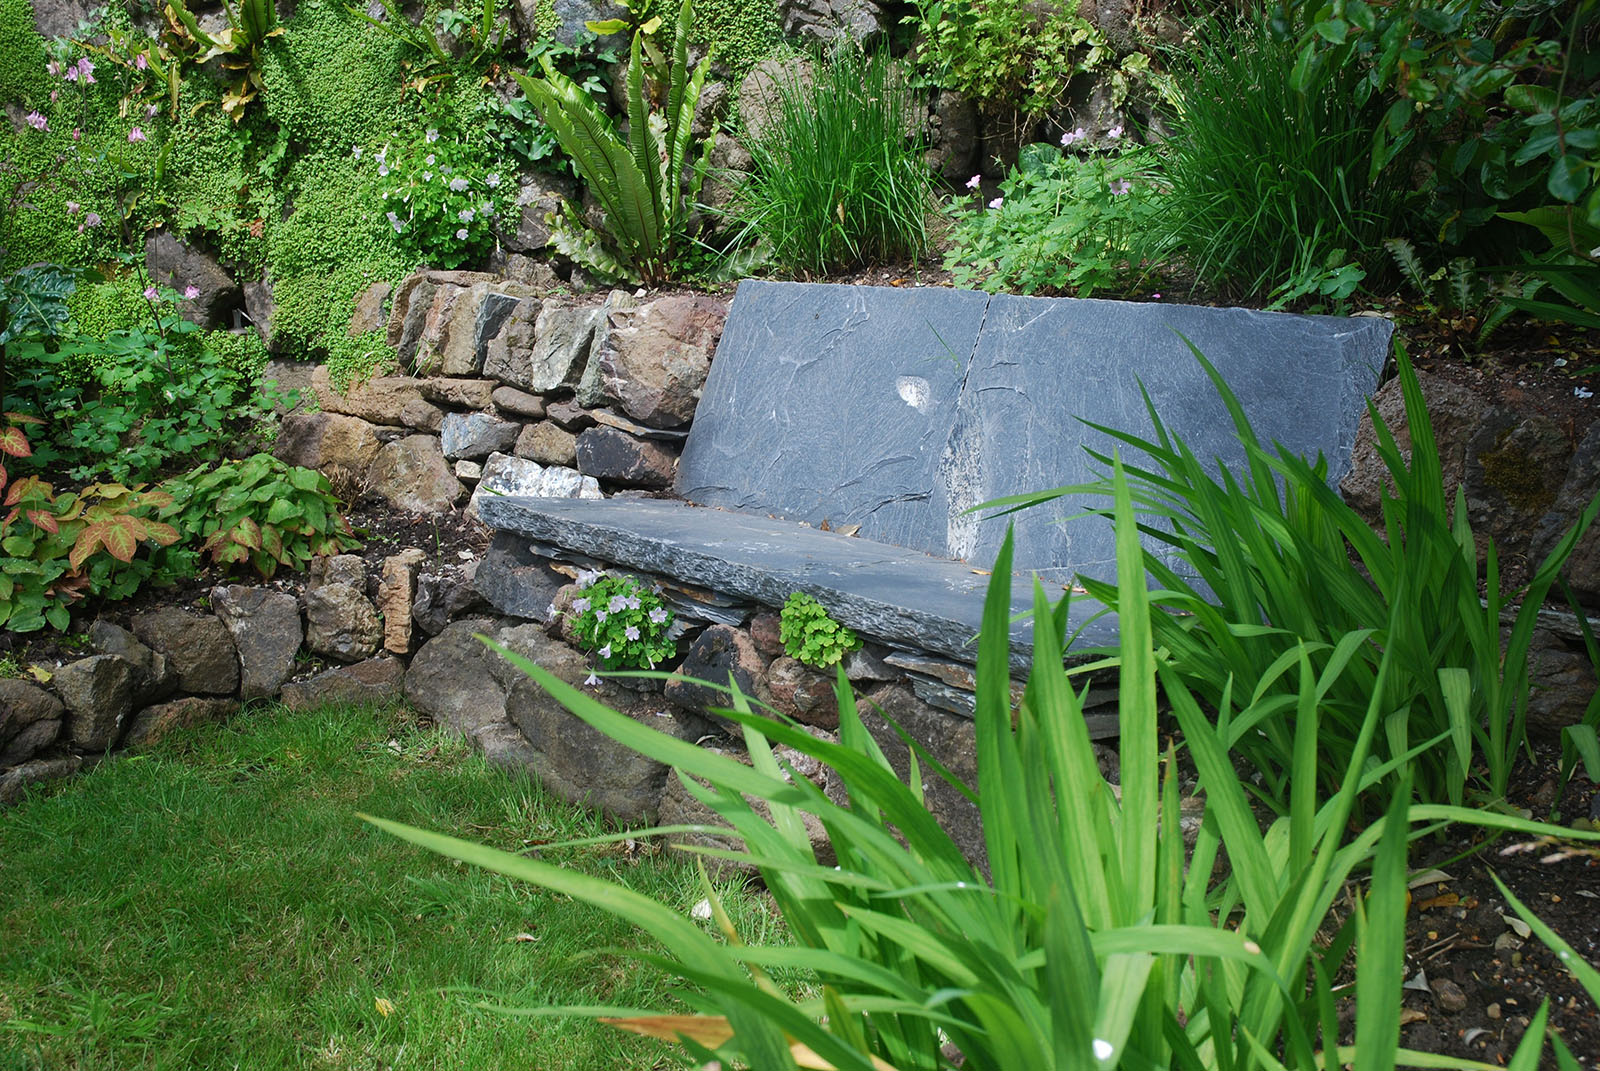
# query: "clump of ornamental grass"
839 178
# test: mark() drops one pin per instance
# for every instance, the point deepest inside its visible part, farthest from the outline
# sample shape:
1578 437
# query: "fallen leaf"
1523 930
1412 1015
385 1006
522 937
1419 982
1428 877
1442 900
712 1031
702 910
40 674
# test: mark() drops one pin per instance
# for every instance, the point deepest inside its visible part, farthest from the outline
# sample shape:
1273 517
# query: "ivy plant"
810 634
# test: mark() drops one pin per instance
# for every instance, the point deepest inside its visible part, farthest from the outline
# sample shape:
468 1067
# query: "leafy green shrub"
836 180
129 404
622 622
1280 570
259 511
1498 100
811 635
1062 222
1017 58
636 182
1091 939
1270 184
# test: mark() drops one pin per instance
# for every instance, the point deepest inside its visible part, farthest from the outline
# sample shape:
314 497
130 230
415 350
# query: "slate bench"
889 412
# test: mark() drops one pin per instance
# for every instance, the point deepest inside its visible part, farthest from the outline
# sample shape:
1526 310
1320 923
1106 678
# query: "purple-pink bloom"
190 293
1120 187
76 133
71 75
54 68
91 219
136 135
972 183
150 111
591 681
461 235
617 603
140 62
37 121
605 652
86 70
997 202
1073 136
658 615
72 208
150 293
631 632
1115 132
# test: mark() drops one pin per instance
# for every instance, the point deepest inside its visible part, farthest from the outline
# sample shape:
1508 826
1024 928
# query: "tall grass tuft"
1271 188
839 178
1277 568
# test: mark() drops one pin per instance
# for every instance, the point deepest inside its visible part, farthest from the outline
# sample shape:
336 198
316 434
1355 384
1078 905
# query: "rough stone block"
609 454
475 435
266 631
196 646
377 680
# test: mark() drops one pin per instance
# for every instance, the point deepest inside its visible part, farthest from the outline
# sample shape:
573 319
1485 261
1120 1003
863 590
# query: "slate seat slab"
891 593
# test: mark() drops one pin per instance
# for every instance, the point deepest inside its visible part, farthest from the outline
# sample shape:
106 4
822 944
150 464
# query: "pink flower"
997 202
190 293
54 96
91 219
71 75
150 111
140 62
1120 187
72 208
461 235
1073 136
972 183
76 133
54 68
136 135
1156 295
150 293
37 121
1115 132
86 70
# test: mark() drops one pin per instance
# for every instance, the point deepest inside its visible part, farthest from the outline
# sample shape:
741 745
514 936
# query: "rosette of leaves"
622 622
811 635
637 181
259 511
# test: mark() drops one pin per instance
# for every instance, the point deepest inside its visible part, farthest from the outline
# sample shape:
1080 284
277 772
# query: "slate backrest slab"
896 409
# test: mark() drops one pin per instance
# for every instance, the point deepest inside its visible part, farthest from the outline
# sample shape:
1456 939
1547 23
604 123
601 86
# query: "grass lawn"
216 904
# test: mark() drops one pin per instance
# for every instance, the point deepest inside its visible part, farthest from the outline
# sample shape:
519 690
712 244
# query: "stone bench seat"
886 592
891 412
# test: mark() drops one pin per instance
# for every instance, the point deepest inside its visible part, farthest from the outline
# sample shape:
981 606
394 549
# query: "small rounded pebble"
1449 995
1492 1011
